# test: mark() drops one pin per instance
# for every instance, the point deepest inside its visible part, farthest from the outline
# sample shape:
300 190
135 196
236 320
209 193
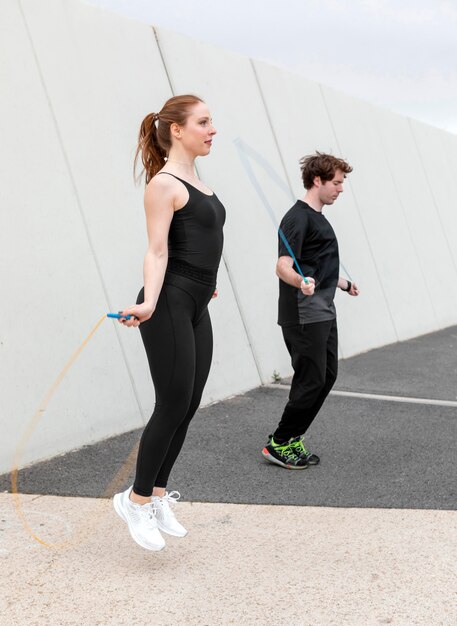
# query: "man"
306 309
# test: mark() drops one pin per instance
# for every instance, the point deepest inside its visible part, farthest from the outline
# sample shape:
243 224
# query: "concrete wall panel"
422 217
447 204
438 170
299 118
51 291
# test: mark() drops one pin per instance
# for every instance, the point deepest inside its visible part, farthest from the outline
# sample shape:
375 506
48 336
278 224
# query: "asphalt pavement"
374 452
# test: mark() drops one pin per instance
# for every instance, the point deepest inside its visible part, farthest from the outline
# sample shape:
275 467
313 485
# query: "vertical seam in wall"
243 321
159 47
224 259
361 220
78 200
435 204
273 132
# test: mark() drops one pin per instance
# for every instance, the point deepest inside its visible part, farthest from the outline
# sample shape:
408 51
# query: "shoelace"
148 513
299 446
172 497
287 450
167 500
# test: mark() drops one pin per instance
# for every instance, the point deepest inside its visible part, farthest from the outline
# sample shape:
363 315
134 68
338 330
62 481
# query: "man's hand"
307 289
348 286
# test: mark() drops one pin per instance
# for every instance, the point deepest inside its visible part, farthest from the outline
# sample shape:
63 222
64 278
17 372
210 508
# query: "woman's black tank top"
195 238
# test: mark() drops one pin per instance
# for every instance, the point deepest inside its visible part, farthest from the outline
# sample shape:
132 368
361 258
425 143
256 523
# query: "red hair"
154 138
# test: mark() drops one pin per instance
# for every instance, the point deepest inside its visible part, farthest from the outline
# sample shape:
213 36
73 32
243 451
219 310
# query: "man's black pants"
314 353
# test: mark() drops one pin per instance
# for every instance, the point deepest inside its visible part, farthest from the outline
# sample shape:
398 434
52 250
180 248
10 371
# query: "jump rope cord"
33 424
246 154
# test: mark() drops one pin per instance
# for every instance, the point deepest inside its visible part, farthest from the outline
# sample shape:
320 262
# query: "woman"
184 224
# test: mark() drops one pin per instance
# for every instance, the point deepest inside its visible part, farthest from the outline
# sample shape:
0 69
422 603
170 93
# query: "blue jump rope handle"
118 316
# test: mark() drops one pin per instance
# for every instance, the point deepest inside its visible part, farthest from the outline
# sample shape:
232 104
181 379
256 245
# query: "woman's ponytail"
152 155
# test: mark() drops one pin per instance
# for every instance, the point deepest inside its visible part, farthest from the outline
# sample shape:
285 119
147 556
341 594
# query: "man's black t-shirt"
313 242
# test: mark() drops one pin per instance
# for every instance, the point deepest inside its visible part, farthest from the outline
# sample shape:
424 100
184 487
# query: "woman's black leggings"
179 345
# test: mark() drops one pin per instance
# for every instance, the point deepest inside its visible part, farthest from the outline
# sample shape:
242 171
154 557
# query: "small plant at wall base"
276 377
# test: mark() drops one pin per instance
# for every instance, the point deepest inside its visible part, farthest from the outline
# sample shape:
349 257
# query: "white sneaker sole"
171 532
117 504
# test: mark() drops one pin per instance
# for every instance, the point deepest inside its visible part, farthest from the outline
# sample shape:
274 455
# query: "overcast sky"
401 54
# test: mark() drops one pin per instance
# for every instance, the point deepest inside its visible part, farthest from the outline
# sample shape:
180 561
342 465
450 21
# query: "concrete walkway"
368 537
240 564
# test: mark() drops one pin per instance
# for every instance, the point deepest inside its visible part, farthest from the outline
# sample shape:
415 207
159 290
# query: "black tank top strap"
191 188
170 174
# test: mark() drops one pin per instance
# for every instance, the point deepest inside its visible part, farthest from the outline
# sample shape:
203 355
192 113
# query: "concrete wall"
78 82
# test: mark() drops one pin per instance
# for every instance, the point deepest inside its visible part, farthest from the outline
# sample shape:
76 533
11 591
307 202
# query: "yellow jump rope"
119 477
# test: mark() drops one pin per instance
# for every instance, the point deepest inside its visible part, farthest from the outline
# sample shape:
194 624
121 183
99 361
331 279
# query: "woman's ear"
175 130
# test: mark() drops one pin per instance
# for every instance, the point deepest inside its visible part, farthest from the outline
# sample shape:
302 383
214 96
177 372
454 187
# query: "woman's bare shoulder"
164 189
161 182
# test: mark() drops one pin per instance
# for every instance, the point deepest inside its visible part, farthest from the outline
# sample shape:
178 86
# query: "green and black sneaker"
284 455
302 452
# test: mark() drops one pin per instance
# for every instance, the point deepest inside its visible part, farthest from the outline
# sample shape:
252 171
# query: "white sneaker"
141 520
166 519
